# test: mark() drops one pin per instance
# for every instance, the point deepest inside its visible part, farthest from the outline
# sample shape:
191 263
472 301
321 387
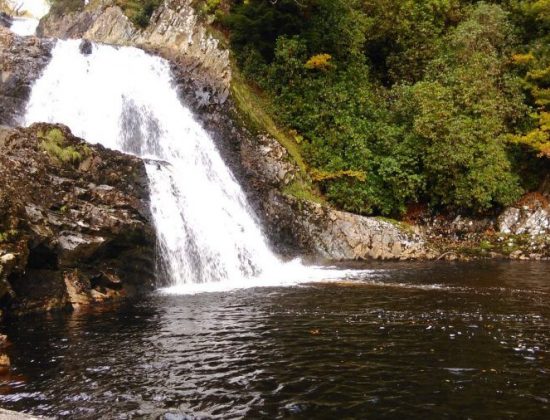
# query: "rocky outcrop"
337 235
265 159
22 59
530 220
317 230
74 222
518 232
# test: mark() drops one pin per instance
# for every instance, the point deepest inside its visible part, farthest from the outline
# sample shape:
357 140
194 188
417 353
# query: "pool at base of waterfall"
459 340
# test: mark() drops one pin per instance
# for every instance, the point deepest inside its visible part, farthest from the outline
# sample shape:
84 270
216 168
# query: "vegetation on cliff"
393 103
138 11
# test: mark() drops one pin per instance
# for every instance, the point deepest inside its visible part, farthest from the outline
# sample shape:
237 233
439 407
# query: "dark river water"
434 340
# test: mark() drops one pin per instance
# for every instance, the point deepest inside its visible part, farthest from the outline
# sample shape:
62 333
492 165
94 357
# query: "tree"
465 108
534 66
402 36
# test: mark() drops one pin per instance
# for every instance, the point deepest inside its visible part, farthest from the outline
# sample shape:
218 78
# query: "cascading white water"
31 11
123 98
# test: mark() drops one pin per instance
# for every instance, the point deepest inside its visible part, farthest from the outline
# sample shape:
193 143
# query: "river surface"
406 340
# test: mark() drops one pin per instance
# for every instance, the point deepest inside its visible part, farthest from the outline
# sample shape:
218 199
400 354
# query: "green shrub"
60 7
419 97
139 11
53 142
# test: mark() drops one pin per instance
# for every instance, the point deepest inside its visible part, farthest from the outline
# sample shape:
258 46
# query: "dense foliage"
60 7
139 11
396 102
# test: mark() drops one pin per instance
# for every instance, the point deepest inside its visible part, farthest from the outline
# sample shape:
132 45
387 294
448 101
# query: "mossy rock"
54 143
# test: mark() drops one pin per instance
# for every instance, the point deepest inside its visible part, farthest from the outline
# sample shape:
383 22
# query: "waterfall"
124 99
31 11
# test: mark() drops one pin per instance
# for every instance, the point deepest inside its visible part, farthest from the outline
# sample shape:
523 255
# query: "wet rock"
78 288
85 47
55 240
22 59
5 20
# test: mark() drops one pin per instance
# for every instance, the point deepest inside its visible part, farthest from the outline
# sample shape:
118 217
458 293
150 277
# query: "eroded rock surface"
74 221
22 60
337 235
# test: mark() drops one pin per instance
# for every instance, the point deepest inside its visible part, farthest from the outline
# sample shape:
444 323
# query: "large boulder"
75 225
22 60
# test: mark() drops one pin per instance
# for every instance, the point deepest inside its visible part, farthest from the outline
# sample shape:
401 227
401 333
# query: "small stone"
4 259
516 254
85 47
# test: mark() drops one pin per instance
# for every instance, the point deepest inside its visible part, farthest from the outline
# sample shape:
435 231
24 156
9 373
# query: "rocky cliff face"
337 235
22 59
74 221
317 230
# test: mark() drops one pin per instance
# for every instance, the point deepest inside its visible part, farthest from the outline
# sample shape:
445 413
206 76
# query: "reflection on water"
456 340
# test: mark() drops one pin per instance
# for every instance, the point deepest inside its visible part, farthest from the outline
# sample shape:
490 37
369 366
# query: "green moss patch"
54 143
